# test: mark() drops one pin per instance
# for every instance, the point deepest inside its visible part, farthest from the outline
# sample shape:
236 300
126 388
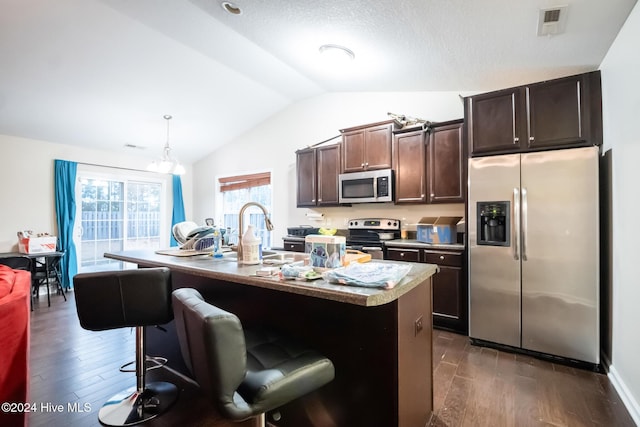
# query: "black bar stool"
245 372
130 298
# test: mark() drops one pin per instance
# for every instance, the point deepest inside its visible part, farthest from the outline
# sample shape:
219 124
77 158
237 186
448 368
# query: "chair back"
213 347
17 262
119 299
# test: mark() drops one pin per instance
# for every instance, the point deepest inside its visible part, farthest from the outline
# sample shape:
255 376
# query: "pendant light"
166 164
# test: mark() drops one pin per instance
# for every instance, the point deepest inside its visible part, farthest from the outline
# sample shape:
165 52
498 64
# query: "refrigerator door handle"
515 239
524 224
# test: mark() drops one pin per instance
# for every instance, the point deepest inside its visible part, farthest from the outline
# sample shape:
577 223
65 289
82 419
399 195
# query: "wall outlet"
418 326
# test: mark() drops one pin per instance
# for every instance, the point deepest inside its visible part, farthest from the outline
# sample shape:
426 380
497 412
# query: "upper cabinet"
560 113
429 166
317 171
445 163
306 177
367 147
409 154
328 169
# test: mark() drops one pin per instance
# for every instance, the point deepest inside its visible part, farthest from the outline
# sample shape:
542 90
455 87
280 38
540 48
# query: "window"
117 213
238 190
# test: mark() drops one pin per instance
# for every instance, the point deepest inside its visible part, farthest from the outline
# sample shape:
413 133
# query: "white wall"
271 146
26 173
621 111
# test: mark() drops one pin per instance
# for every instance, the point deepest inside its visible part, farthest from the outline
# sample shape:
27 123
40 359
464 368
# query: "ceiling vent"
552 21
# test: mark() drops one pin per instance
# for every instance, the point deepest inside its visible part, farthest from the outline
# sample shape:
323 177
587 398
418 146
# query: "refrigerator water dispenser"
494 223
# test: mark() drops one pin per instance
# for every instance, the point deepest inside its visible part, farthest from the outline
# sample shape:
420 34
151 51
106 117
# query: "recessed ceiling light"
231 8
336 52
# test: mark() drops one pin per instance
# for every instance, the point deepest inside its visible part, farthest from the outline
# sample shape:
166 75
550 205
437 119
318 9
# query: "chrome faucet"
267 222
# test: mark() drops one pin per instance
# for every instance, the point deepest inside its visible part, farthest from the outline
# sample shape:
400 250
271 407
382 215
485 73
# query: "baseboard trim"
627 398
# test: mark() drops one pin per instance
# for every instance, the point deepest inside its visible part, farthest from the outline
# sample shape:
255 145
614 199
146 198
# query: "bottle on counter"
250 246
217 246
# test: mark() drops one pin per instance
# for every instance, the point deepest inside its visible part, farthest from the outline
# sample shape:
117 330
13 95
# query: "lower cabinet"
403 254
293 245
449 285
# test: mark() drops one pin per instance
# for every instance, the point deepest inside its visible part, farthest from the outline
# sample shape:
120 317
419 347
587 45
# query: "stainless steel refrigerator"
534 252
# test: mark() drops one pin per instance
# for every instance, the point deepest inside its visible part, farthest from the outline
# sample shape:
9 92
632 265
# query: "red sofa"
15 312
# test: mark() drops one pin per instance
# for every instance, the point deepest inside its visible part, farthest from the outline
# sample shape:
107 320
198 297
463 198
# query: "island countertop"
230 271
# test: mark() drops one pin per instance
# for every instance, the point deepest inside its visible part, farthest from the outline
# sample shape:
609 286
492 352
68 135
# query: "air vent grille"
552 21
138 147
551 15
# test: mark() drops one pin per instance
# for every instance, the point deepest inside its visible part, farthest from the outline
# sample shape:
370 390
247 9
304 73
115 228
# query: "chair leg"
56 272
46 272
142 402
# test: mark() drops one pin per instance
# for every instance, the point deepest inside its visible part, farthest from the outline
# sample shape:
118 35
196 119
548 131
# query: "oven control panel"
374 224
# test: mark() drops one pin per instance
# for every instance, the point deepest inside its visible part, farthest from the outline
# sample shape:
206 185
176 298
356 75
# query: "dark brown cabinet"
367 147
317 171
560 113
293 245
403 254
306 177
446 181
449 293
429 167
409 154
327 170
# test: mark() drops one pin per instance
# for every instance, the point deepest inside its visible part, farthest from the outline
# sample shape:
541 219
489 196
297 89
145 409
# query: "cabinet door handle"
441 256
402 254
525 215
319 200
531 138
366 164
515 220
516 140
313 200
361 165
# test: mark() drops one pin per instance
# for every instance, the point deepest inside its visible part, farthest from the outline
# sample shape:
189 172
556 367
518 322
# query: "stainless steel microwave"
366 187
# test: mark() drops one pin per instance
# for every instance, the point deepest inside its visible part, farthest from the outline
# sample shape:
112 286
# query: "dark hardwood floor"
473 386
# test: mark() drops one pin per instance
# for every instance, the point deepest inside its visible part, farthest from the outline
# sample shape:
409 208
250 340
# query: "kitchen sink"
278 258
272 257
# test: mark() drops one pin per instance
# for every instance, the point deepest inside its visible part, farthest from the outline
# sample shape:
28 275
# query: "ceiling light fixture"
231 8
336 52
166 164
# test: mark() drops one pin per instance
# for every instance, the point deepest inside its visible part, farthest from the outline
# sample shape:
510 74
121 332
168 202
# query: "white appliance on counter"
534 252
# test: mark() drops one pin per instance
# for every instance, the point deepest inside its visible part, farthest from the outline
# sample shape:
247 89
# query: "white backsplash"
338 217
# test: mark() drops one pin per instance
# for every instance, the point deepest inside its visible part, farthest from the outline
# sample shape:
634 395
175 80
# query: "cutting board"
352 255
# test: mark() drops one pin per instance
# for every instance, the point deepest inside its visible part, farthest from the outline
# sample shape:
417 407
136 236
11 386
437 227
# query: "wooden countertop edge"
355 295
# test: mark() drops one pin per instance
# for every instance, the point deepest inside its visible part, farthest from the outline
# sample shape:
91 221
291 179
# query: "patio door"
116 213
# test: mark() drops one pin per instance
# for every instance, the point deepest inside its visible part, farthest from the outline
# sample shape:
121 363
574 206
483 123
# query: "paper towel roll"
315 216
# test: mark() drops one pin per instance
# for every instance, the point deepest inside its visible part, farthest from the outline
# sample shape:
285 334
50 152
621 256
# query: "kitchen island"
379 340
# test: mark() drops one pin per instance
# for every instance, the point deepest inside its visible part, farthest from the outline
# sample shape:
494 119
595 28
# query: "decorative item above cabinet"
367 147
559 113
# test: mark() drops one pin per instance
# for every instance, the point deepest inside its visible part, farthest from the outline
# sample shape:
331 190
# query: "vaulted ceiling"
102 73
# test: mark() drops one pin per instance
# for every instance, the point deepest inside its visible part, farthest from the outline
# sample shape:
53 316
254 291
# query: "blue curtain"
65 183
178 206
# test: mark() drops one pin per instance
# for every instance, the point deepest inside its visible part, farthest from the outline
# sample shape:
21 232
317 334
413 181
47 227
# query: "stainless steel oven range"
369 234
